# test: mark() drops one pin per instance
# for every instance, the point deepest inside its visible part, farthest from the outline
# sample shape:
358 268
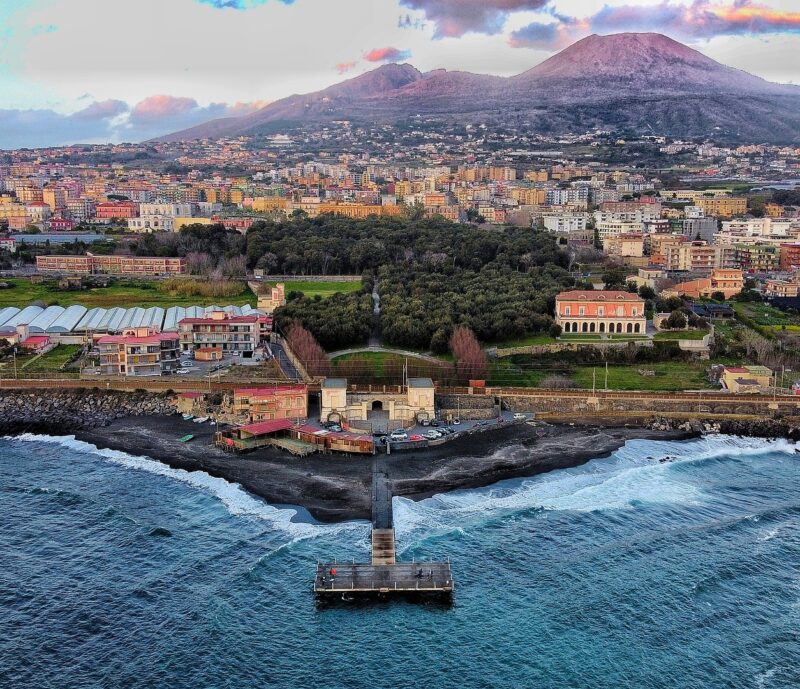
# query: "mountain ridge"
637 81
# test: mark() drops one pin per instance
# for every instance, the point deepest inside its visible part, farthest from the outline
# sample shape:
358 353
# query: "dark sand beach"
337 487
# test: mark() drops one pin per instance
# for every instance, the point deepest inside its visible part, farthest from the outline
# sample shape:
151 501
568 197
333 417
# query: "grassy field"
537 339
668 376
764 314
681 335
126 294
311 288
53 360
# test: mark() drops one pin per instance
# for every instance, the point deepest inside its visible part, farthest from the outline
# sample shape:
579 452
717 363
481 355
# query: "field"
53 360
125 293
667 375
681 335
384 367
311 288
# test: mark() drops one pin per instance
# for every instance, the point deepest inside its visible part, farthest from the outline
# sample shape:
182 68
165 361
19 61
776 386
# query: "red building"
116 209
790 256
61 224
607 311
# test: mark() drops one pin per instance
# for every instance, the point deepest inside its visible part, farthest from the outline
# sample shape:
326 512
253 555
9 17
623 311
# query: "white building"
565 222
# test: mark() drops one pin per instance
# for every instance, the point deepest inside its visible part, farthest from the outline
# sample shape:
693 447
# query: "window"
582 311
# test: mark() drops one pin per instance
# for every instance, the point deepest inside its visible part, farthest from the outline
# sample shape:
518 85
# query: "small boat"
188 417
201 419
186 438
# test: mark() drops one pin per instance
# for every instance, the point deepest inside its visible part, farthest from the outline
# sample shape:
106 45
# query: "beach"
336 487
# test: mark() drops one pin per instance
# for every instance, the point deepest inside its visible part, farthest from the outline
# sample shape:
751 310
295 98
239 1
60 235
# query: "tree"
307 349
718 296
676 321
555 330
471 361
614 278
647 292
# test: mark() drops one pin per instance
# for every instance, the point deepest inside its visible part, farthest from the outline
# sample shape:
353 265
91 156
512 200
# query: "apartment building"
607 311
727 281
139 352
789 256
268 404
756 230
781 289
159 217
121 210
722 207
219 333
565 222
757 258
111 265
625 245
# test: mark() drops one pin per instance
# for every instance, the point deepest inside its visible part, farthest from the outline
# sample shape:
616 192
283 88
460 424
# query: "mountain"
640 82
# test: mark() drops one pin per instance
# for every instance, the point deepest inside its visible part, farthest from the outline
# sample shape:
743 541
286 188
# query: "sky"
92 71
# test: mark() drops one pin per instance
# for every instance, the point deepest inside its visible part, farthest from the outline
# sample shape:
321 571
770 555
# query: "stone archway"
377 405
334 417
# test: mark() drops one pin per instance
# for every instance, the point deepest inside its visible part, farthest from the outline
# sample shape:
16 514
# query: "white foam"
632 475
235 499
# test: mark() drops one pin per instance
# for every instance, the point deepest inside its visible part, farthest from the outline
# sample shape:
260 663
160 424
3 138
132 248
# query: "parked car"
183 371
398 435
335 428
434 423
425 422
520 417
433 435
456 422
416 438
446 430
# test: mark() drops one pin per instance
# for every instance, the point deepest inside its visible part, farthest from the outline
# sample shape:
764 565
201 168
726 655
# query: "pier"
383 577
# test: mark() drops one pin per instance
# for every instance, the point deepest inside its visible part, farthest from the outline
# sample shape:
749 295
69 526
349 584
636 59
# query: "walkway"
387 350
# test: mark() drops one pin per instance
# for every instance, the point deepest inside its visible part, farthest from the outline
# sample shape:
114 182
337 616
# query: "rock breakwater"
57 412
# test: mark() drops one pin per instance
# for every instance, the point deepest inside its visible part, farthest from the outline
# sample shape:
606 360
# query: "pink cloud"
343 67
387 54
102 110
161 107
454 18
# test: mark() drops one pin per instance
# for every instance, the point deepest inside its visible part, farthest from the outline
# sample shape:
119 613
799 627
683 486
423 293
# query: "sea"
667 564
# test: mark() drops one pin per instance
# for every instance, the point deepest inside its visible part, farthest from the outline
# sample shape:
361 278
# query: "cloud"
111 120
387 55
103 110
539 36
157 108
454 18
238 4
700 20
344 67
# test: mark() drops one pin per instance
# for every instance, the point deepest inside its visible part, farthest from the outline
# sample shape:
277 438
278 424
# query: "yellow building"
725 207
266 204
415 403
272 299
751 379
180 223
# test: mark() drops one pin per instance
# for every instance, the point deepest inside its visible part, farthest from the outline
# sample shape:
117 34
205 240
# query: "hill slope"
639 82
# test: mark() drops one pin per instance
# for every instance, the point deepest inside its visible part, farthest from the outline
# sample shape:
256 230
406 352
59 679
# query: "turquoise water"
627 572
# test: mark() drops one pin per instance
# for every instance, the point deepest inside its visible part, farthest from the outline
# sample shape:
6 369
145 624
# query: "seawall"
68 411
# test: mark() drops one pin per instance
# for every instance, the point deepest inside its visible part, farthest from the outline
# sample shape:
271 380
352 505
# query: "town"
628 264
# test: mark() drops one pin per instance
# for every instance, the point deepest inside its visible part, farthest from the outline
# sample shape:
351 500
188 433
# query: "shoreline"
336 488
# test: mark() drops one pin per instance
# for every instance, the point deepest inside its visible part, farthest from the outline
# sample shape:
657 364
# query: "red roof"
600 295
145 339
221 321
267 427
266 392
35 341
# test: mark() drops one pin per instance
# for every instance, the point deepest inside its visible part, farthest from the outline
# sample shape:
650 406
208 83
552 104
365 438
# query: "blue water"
119 572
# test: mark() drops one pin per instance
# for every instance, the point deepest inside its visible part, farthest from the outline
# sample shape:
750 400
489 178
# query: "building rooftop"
420 383
334 383
600 295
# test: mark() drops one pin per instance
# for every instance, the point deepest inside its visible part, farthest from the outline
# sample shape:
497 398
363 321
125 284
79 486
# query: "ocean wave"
236 500
639 473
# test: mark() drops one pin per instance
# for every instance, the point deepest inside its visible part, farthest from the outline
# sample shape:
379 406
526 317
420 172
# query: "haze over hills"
645 83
